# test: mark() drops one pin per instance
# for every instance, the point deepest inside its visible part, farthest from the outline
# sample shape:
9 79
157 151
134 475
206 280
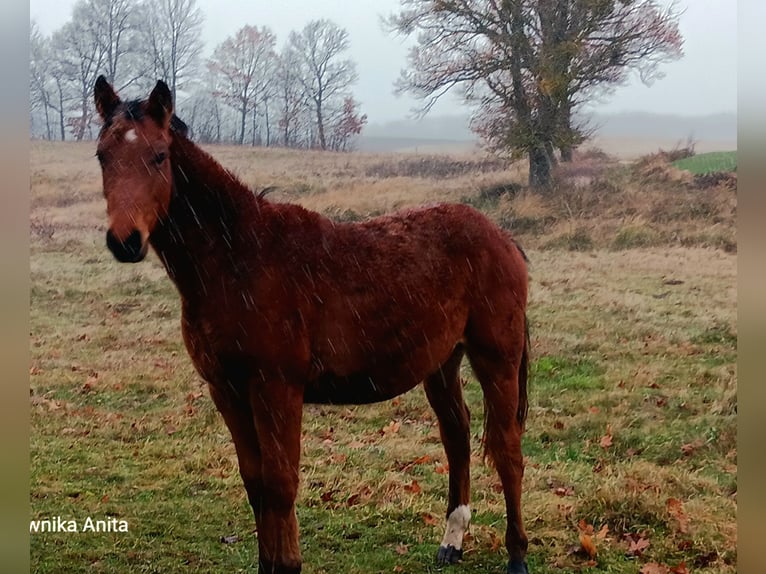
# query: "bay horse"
281 307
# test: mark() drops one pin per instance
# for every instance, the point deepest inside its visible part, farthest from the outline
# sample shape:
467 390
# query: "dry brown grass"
597 201
633 335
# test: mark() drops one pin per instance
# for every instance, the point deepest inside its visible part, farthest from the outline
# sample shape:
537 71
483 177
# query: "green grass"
638 345
709 162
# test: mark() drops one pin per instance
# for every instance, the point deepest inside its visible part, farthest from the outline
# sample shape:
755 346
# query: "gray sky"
703 82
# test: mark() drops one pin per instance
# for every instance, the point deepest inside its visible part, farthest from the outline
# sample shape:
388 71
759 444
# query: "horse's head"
133 150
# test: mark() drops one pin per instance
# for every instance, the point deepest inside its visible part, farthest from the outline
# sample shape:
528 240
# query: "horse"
281 307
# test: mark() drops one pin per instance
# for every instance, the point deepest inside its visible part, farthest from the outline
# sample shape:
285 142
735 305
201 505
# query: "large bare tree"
525 65
79 57
115 23
244 65
325 75
171 34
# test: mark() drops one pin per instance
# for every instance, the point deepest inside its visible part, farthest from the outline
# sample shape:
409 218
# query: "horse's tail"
521 411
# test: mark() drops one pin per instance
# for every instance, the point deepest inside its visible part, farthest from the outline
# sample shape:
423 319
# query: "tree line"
248 91
523 67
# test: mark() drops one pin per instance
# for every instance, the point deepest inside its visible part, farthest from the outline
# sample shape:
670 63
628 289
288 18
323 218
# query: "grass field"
631 455
709 162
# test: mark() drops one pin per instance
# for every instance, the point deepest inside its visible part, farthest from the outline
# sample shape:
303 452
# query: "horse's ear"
160 107
106 98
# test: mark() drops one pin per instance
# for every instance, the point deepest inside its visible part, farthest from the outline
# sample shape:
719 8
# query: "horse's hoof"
449 555
517 567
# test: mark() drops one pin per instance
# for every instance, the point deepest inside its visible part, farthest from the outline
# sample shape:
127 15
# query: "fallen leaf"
355 444
689 448
637 545
495 542
606 440
413 487
676 510
398 568
364 494
585 527
441 468
594 410
680 569
430 519
402 549
586 543
327 496
391 428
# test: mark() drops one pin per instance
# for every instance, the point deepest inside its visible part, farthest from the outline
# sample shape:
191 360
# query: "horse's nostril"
129 251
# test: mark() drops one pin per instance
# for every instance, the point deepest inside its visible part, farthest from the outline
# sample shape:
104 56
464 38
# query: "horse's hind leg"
445 394
499 362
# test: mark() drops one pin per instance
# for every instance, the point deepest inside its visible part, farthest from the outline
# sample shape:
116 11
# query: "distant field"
709 162
631 436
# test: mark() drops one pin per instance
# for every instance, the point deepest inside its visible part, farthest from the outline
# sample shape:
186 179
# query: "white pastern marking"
131 135
457 524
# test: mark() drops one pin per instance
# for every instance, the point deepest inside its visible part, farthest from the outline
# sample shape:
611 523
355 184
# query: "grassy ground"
631 443
709 162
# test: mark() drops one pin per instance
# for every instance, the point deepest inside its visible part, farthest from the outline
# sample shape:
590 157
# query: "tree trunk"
566 128
61 109
242 124
320 127
539 168
255 117
47 123
268 131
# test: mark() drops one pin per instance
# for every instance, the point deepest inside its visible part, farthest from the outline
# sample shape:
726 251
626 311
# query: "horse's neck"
210 215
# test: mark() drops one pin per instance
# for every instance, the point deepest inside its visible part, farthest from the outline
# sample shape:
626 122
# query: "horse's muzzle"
132 250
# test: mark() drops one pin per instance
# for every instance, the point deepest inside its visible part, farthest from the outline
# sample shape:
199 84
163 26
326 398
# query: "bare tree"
114 24
171 34
326 78
290 95
80 56
526 64
40 93
243 64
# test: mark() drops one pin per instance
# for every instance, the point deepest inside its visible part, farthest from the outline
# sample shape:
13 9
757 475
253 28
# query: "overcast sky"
703 82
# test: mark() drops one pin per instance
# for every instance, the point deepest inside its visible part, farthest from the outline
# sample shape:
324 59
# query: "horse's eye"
100 157
160 157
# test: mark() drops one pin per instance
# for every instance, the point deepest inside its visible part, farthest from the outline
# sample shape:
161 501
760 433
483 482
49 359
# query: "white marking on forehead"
131 135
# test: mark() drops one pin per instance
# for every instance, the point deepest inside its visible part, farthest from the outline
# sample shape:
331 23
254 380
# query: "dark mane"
133 110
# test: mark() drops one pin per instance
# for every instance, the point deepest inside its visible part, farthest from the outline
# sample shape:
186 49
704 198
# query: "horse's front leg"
277 408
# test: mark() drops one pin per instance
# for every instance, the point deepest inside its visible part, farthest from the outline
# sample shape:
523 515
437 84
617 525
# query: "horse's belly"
357 388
